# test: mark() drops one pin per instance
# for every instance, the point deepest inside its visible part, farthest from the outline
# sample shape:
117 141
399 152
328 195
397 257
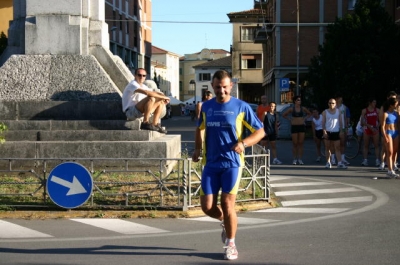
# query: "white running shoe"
333 161
364 162
377 162
341 165
223 233
328 165
300 162
382 166
318 159
295 162
231 252
276 161
392 174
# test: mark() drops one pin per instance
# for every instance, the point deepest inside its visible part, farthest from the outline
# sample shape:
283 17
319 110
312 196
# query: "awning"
268 78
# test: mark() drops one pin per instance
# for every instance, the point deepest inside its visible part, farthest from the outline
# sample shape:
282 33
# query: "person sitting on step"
139 101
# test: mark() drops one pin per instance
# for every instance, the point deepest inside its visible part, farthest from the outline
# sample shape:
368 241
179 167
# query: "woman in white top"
331 123
317 131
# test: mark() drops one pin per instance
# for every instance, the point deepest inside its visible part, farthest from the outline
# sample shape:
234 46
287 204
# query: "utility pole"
298 50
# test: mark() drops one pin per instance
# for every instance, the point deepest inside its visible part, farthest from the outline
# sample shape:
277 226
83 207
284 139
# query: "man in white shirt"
139 101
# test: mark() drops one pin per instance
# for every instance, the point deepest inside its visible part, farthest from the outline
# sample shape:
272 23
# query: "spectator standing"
345 113
390 133
271 121
369 120
207 96
331 127
317 132
262 108
298 128
390 94
223 119
187 109
192 109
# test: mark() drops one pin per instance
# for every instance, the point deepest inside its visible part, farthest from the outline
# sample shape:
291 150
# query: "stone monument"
61 87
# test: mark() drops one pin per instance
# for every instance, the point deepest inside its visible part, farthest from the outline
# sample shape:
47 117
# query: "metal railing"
122 183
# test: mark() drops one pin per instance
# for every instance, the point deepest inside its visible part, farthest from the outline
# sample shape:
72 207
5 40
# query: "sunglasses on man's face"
139 75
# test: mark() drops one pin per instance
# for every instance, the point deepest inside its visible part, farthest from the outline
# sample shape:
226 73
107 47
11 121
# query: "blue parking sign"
284 84
69 185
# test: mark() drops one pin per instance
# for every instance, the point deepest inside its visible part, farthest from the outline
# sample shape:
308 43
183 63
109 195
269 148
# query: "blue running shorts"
214 179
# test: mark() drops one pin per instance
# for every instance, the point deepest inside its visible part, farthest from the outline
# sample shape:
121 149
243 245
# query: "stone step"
61 110
50 125
165 146
81 135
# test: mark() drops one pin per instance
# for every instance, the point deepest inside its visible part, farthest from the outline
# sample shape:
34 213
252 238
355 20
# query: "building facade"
187 83
247 56
129 25
205 71
166 71
6 15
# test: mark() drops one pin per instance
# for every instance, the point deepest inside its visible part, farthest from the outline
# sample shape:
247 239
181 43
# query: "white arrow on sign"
75 187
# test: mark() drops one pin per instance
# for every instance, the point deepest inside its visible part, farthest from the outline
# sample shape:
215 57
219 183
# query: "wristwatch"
244 144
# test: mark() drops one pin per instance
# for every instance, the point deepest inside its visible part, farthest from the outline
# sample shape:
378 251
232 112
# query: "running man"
222 119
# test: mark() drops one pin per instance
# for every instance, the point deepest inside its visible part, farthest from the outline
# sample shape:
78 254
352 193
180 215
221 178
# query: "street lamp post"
192 86
298 51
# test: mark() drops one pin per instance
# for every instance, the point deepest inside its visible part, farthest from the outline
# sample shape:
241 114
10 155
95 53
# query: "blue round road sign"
69 185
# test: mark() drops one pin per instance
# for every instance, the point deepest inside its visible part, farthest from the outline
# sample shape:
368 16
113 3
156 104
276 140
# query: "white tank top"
318 123
332 121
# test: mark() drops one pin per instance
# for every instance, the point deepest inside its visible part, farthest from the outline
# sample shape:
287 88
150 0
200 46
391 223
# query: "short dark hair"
388 103
221 74
137 69
391 93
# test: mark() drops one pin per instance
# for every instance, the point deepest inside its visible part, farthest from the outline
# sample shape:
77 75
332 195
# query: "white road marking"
10 230
318 191
120 226
303 210
276 178
327 201
298 184
241 220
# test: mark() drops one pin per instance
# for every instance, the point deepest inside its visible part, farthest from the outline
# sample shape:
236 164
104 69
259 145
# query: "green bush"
3 128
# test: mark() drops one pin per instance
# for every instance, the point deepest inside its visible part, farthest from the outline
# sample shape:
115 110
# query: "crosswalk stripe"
327 201
318 191
241 220
303 210
276 178
10 230
120 226
299 184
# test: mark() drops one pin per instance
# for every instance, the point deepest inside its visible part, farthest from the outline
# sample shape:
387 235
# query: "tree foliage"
3 42
359 58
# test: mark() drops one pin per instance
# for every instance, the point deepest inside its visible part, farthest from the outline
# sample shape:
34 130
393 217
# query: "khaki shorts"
132 113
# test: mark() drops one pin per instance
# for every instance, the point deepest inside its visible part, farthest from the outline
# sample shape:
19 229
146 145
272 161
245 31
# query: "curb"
191 213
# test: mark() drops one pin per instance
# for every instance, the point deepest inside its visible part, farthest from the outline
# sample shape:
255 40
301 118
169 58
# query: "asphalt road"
327 217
